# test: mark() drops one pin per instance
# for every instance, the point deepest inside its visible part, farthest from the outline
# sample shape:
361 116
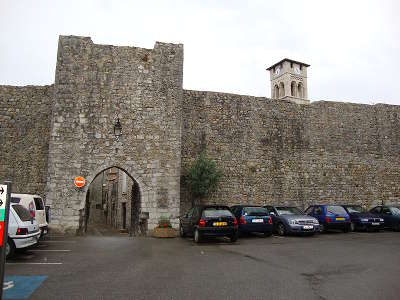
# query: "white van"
35 205
23 230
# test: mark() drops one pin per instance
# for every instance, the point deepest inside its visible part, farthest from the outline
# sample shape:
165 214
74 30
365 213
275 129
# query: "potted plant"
164 229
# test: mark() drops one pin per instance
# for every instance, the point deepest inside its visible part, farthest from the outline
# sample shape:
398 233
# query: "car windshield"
22 212
354 209
285 210
395 210
255 211
334 209
215 213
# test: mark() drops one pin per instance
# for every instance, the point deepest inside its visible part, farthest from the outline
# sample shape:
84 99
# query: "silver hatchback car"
291 220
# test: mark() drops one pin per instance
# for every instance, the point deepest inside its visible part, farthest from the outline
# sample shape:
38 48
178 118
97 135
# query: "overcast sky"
353 47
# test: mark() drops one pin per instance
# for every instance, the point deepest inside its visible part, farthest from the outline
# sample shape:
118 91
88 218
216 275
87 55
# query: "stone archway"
113 204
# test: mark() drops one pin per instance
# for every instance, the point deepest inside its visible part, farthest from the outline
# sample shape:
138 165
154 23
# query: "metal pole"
5 236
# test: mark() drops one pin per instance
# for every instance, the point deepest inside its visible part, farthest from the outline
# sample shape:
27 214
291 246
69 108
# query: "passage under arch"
113 203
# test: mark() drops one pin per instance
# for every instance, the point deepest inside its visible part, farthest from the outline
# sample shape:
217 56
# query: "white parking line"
48 250
57 263
59 241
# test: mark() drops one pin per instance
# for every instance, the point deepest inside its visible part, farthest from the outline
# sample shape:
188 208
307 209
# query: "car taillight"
242 220
269 220
202 223
235 221
22 231
32 209
327 219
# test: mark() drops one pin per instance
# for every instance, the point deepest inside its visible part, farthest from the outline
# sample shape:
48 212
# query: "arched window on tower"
300 90
281 90
293 90
276 91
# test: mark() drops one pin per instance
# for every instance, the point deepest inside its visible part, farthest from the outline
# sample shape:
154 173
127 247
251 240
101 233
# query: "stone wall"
24 140
270 151
94 85
274 151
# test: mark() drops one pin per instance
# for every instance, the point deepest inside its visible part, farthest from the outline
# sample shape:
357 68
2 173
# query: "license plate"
257 221
308 227
220 223
376 224
339 219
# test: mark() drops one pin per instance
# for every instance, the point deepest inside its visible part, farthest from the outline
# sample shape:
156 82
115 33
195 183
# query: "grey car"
290 220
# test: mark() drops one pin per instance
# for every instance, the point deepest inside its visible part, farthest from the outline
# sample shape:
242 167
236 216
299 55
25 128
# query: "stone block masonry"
279 152
25 115
95 85
270 151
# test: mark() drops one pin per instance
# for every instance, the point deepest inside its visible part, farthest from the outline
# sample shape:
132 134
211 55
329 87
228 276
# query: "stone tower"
289 81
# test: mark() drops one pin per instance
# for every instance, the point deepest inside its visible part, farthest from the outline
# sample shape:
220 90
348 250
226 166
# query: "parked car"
391 215
209 220
23 230
35 205
253 219
330 217
290 219
361 220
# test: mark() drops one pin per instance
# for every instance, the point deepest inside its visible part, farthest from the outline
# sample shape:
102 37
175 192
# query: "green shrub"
202 177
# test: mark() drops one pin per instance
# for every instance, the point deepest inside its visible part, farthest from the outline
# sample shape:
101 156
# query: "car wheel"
10 249
397 228
181 231
281 229
233 238
352 227
197 236
322 228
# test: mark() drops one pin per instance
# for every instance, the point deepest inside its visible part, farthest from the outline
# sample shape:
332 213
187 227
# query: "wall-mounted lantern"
117 129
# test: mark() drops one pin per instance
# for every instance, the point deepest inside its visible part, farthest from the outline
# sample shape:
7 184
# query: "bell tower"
289 81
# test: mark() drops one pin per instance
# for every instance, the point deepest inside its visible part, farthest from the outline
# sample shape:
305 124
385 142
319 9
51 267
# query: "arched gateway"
115 106
113 203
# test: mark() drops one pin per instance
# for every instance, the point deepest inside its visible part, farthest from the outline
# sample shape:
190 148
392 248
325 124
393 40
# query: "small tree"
202 178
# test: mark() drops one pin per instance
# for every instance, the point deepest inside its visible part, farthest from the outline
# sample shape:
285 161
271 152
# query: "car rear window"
39 203
335 209
354 209
396 210
255 211
22 212
215 213
15 200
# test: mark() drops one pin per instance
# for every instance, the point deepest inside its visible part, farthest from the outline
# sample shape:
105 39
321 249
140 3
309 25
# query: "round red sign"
79 181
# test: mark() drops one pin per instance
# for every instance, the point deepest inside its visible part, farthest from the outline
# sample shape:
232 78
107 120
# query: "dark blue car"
330 217
391 215
253 219
363 221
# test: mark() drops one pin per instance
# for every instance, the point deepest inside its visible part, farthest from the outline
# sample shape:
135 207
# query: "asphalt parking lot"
327 266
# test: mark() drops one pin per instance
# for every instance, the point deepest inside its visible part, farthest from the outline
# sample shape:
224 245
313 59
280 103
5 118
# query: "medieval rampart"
274 151
24 140
270 151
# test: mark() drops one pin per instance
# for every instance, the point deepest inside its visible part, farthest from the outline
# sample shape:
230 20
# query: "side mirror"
272 213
